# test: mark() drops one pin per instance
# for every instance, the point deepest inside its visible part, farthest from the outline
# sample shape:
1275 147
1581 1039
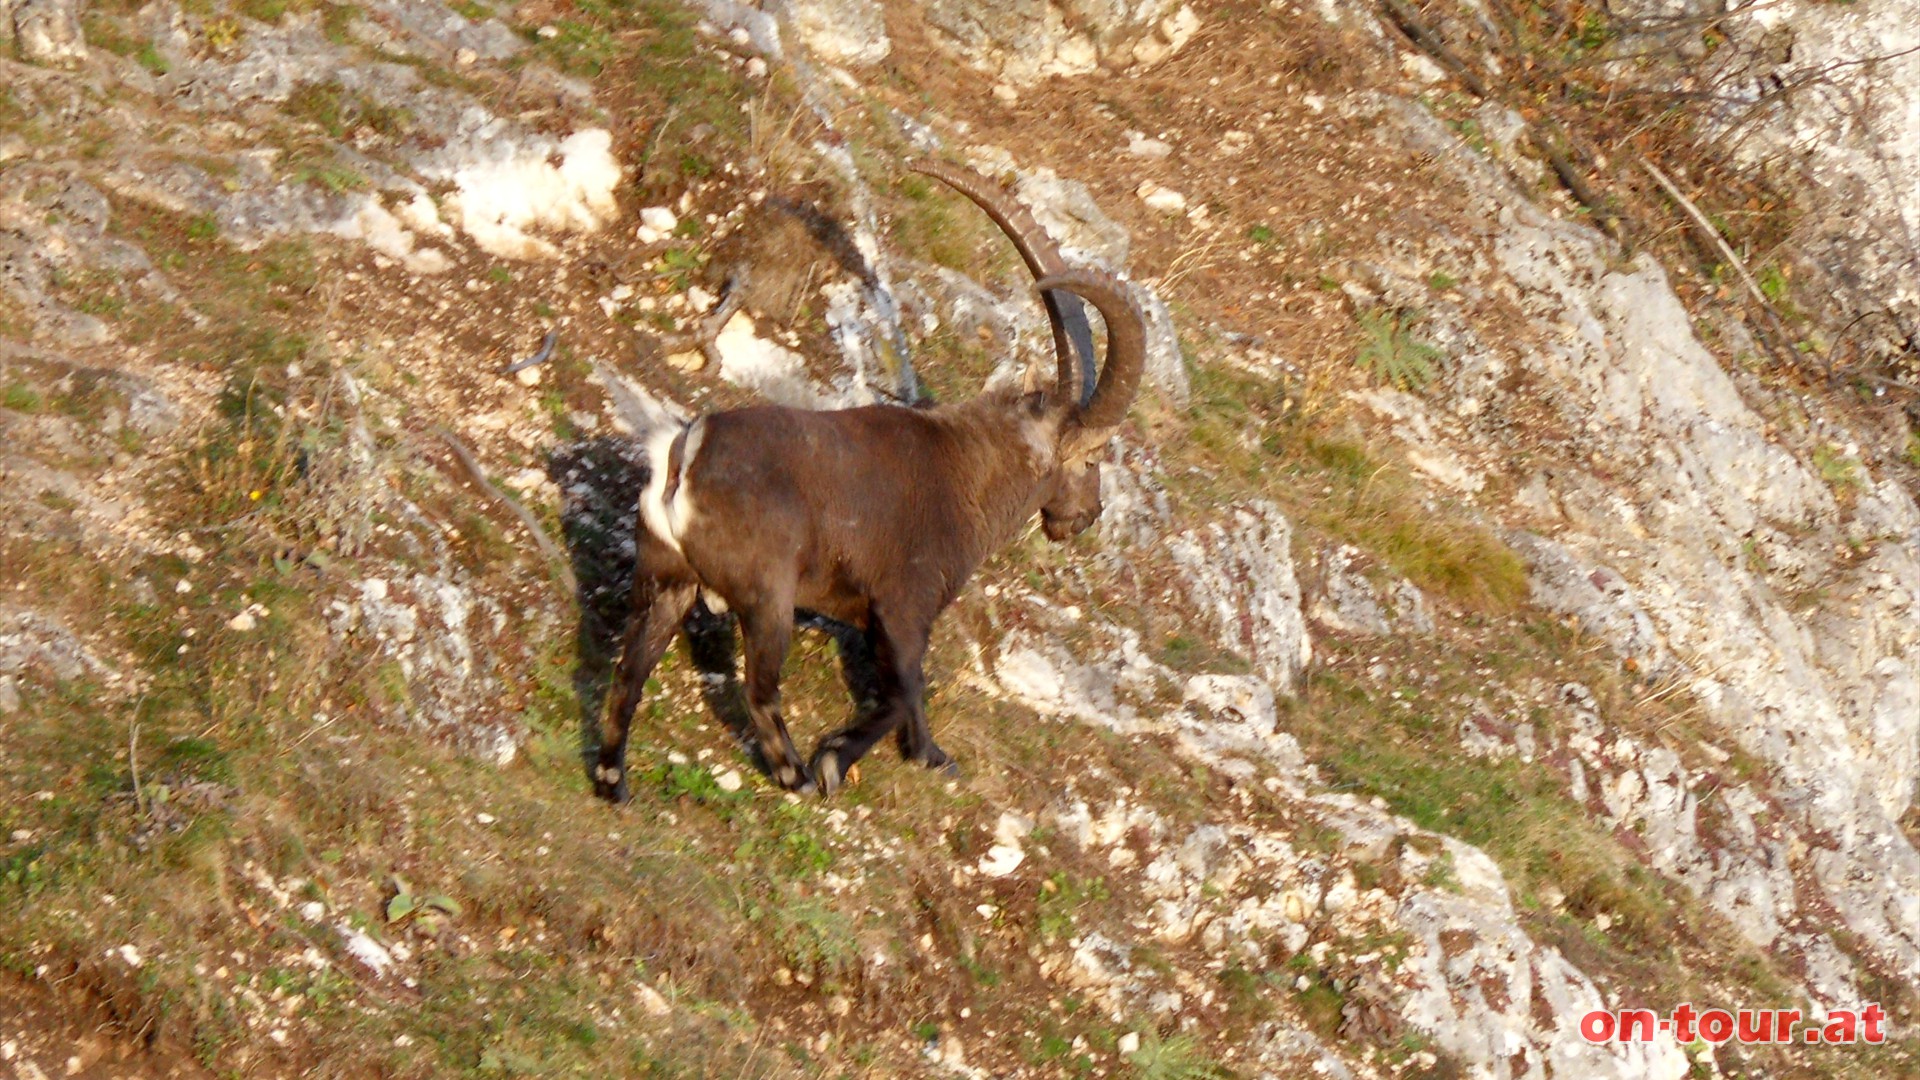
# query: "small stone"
1420 69
9 697
1128 1043
528 376
1005 93
548 33
465 57
687 361
1141 146
651 1001
485 818
660 219
1001 860
728 780
242 622
1164 200
1012 828
757 68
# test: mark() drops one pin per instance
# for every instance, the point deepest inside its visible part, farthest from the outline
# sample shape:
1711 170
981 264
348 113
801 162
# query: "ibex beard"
873 516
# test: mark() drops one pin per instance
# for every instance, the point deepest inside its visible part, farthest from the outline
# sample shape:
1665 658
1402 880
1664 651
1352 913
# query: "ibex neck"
1007 453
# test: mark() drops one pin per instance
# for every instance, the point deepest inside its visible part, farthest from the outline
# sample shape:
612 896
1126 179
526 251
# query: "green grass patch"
1244 440
1392 354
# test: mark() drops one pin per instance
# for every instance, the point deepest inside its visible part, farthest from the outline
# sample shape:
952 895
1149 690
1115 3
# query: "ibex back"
874 516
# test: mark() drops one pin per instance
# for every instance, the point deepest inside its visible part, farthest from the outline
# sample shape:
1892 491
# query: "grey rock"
1351 604
35 641
1239 573
1067 210
48 31
846 32
1679 555
1347 602
1025 40
435 26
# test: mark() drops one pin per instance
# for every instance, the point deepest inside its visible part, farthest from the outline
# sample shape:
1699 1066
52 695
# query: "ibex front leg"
658 609
898 652
768 629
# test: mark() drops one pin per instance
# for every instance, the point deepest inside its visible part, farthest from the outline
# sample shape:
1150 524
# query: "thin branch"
538 358
1712 233
133 760
1402 15
540 537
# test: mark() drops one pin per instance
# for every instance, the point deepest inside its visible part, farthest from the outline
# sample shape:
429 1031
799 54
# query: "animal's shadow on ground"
600 480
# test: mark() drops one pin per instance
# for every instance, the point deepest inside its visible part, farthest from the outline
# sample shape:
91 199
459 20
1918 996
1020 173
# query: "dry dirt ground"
43 1036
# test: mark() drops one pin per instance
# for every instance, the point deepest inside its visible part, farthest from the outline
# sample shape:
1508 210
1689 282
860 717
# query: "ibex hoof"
826 771
610 783
939 760
793 778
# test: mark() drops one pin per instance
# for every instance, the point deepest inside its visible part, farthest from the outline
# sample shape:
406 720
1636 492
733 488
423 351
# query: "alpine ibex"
874 516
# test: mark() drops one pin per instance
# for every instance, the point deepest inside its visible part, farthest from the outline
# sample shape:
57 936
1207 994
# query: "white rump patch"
668 515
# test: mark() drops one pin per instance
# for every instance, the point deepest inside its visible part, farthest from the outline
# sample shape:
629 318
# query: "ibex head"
1093 409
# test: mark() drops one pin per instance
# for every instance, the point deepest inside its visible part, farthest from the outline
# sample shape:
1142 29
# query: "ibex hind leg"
658 609
767 630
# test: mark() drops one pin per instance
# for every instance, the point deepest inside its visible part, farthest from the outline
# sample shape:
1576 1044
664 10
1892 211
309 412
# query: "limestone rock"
1026 40
846 32
47 31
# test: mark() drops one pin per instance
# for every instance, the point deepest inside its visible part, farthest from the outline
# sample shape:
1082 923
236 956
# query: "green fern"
1392 353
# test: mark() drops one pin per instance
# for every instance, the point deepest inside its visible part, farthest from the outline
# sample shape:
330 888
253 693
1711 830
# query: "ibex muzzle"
873 516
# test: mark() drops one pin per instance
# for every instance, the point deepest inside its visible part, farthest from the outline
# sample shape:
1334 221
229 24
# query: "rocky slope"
1491 620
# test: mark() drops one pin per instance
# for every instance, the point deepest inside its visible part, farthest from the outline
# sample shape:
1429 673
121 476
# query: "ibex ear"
1081 445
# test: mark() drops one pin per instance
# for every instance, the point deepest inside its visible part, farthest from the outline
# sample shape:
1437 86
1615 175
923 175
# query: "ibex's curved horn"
1126 344
1072 335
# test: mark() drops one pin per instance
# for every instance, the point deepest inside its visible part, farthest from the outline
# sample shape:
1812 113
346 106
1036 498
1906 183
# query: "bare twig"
1402 16
540 537
541 357
653 144
1706 226
133 760
1712 233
